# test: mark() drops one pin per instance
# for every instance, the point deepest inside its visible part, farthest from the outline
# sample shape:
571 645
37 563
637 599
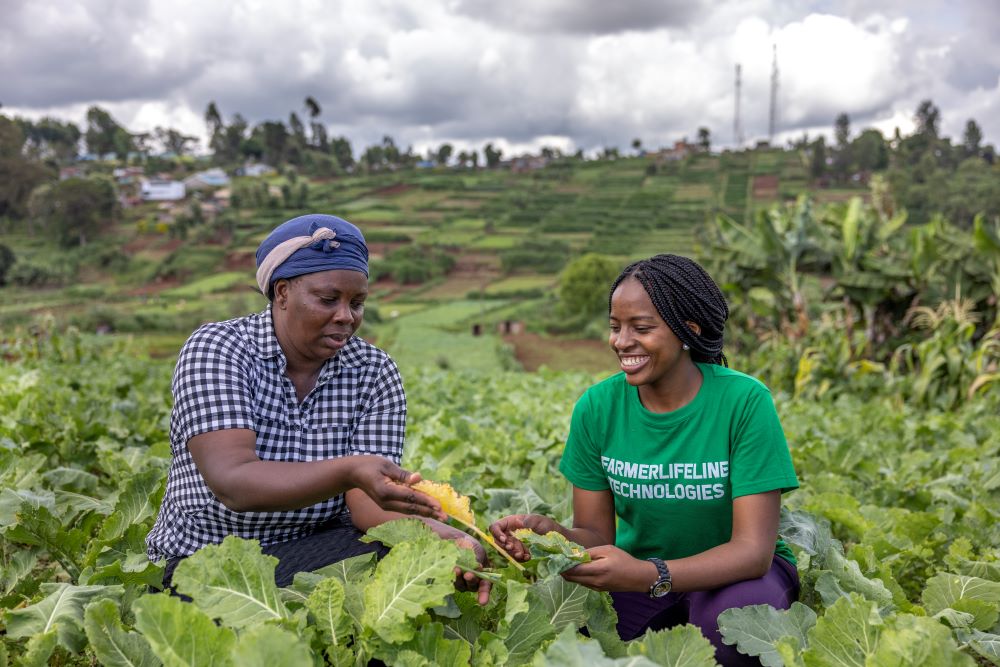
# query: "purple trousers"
637 612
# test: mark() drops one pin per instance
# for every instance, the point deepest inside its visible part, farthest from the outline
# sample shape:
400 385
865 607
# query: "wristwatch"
662 584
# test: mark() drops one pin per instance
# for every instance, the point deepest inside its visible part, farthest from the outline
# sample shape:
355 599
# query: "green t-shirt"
674 475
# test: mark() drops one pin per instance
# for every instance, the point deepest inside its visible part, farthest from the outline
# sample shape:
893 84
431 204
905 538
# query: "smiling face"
648 351
316 314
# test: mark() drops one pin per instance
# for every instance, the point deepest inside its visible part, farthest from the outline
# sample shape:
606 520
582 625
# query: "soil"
399 188
534 351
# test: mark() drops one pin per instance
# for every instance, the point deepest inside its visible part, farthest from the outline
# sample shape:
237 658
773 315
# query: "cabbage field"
895 529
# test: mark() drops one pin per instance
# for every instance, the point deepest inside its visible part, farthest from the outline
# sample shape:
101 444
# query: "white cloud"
469 71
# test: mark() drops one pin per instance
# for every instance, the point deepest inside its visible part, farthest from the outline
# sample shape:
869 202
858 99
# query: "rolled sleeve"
212 386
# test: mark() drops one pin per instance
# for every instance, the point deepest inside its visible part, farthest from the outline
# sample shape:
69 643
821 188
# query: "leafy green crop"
895 530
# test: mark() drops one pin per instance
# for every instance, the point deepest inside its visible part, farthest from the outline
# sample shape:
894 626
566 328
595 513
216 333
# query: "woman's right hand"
390 487
503 531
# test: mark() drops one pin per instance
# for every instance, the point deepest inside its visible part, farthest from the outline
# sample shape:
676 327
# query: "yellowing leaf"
452 503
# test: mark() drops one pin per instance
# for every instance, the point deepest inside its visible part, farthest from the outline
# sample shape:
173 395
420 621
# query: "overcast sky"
521 73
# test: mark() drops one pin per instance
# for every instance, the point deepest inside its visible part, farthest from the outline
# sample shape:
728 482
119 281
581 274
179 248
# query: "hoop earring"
685 347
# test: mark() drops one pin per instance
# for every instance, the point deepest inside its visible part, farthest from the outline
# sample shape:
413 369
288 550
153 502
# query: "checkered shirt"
231 375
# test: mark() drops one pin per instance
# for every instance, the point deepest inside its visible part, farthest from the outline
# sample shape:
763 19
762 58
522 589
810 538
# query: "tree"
817 165
273 136
18 176
390 151
704 139
341 149
7 260
583 286
444 154
50 138
213 119
77 208
637 144
312 107
870 151
173 140
104 135
842 158
492 155
842 131
972 139
928 119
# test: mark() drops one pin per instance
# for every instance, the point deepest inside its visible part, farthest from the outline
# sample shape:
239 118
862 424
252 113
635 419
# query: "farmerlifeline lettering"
708 470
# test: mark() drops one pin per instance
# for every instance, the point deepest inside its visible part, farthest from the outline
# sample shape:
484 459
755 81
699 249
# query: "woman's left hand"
611 569
468 581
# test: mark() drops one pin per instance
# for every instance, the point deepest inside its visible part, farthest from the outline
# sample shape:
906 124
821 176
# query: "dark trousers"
334 541
637 612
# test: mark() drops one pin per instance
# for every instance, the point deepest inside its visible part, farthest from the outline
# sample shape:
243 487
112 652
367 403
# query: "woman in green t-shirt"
678 464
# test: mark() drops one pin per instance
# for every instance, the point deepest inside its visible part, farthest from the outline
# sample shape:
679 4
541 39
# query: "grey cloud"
590 17
55 54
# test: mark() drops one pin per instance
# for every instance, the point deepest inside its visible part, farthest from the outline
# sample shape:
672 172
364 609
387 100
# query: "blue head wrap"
335 244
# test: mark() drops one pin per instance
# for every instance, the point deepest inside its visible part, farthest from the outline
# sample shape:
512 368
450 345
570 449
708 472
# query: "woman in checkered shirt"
286 427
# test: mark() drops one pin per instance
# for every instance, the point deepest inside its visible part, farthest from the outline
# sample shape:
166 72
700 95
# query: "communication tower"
772 119
737 124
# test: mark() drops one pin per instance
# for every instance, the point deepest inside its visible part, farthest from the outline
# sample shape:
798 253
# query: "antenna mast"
774 94
737 126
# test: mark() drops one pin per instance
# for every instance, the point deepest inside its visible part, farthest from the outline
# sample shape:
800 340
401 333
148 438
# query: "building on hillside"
207 180
128 175
425 164
71 172
256 169
680 150
526 162
161 189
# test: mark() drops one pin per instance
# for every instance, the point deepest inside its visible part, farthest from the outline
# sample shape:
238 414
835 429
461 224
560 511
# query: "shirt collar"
352 355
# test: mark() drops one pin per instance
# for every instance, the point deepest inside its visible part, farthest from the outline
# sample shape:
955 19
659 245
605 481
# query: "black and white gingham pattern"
232 375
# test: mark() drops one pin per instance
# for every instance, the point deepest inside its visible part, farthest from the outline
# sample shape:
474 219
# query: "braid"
683 292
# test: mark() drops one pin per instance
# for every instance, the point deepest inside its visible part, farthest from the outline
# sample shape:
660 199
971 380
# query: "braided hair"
682 292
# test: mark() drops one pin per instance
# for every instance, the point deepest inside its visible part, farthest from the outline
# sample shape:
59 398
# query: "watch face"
660 589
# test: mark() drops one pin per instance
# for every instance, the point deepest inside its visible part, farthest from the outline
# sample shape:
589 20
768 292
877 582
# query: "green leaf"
489 651
113 645
565 601
60 611
327 606
681 646
270 646
809 533
572 650
398 531
844 576
37 526
134 569
411 579
756 630
917 641
138 502
17 568
551 554
233 582
954 591
39 649
985 644
430 644
526 633
180 634
846 635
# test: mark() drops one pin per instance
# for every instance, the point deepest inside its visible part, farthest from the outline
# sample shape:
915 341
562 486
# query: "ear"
693 326
281 292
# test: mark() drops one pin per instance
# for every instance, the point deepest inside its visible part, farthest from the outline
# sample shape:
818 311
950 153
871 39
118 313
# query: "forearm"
269 486
586 537
725 564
